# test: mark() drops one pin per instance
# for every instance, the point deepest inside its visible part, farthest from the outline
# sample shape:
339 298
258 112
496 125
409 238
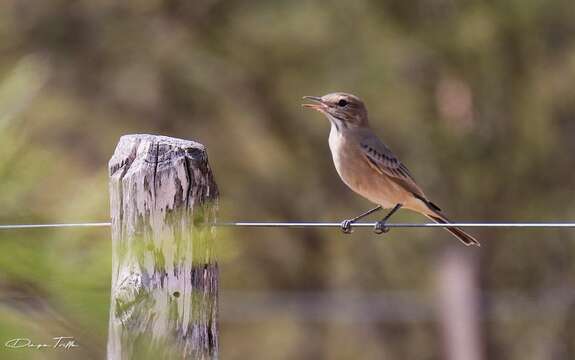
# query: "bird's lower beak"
319 106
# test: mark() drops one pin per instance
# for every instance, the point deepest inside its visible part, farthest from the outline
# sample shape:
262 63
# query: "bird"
369 168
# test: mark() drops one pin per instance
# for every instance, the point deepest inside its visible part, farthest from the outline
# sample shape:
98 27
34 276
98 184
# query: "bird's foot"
346 226
380 227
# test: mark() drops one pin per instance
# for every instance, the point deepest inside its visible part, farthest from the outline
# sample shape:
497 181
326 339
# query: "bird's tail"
455 231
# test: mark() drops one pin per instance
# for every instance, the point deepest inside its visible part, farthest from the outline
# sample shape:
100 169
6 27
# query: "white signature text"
59 342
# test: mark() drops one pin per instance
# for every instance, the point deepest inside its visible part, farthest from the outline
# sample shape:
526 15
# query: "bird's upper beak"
320 106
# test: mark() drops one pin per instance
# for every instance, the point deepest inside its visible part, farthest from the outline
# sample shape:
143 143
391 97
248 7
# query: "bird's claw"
380 227
346 226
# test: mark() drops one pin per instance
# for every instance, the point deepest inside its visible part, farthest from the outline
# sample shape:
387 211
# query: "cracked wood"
164 273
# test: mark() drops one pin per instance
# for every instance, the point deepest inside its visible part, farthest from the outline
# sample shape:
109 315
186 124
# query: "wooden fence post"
164 272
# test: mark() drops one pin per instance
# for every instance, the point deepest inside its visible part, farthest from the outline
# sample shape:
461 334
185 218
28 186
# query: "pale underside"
370 169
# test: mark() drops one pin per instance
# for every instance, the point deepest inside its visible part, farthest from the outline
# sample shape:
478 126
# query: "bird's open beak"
319 106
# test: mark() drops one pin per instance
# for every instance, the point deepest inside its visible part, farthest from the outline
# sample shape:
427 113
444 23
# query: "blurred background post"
459 300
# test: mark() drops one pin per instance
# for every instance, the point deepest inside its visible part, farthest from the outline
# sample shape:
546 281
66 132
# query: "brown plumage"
368 166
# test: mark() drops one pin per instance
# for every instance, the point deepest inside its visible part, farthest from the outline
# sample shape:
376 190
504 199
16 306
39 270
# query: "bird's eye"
342 102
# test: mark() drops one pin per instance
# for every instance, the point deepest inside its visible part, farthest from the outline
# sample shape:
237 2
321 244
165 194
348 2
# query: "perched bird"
368 167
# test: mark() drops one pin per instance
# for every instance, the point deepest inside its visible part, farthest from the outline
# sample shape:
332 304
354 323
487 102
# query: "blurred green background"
476 97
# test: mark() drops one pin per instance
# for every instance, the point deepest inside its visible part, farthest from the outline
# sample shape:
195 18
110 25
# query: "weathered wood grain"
164 272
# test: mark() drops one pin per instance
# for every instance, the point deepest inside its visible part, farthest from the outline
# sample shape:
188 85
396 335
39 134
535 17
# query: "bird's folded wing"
382 160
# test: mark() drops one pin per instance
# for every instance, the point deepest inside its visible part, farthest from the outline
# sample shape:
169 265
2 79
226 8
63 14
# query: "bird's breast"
337 147
356 173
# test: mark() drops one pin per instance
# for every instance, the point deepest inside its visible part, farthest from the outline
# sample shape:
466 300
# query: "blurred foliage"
477 97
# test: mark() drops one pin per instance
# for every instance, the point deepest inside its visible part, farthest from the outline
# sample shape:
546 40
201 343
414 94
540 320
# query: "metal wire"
312 225
397 225
40 226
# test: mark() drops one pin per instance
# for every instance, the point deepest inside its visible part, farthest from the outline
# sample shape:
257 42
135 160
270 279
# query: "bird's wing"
383 161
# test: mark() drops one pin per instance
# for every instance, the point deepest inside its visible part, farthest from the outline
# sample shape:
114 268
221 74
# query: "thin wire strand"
41 226
397 225
312 225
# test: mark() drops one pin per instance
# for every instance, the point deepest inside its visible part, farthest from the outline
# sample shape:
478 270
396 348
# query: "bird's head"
343 110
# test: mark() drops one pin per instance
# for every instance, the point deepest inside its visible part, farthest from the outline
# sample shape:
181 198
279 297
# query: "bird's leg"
346 224
380 225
